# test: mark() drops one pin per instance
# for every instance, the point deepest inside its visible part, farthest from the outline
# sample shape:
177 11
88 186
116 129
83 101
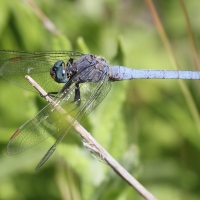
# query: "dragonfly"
77 82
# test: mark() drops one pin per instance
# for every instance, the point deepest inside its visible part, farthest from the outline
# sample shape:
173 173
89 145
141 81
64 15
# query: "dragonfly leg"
51 94
70 62
77 97
64 91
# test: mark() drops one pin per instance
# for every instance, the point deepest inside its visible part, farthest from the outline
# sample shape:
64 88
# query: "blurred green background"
149 126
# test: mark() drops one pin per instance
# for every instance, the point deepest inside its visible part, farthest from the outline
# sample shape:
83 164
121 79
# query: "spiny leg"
70 61
50 94
77 97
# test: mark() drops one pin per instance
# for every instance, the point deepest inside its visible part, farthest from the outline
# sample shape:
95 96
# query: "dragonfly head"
58 72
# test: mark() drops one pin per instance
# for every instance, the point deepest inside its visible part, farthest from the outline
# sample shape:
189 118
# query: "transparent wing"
47 122
50 121
14 65
93 94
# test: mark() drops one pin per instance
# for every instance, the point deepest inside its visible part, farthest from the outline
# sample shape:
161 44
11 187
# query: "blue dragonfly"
81 82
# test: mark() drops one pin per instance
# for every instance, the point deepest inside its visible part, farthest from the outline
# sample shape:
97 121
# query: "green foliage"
147 125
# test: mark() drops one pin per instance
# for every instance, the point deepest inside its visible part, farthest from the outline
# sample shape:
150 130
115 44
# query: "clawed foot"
50 94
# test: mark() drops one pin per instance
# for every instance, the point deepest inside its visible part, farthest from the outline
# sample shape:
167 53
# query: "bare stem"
190 34
48 24
95 147
187 94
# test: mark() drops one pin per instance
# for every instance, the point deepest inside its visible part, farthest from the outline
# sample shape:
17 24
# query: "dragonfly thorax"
58 72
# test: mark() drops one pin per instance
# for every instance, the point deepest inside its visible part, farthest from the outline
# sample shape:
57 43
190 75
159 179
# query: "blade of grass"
184 88
190 34
48 24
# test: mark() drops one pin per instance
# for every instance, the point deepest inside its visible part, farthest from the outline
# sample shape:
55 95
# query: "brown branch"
48 24
94 147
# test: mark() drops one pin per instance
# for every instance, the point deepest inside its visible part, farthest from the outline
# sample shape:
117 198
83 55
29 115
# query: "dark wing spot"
15 59
15 134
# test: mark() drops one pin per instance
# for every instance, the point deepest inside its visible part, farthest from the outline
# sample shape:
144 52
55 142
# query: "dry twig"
96 148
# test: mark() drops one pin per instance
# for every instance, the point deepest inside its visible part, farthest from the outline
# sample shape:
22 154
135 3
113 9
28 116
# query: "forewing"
14 65
50 120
